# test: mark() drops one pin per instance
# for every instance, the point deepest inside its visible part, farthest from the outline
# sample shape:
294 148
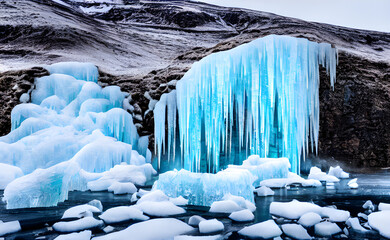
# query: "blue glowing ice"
259 98
72 126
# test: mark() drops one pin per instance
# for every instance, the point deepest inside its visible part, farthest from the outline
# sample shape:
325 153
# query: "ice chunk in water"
267 229
210 226
326 229
295 231
205 188
293 209
123 213
9 227
380 222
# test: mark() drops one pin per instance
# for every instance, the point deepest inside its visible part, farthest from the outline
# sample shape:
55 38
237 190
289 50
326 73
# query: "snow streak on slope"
262 96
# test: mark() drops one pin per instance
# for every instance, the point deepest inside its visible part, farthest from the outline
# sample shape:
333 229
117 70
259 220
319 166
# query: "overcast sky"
362 14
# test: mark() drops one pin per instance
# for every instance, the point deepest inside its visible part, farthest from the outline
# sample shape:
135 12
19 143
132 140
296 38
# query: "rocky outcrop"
144 47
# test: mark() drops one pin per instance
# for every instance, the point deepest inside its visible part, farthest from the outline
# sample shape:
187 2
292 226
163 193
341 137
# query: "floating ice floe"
338 172
123 213
84 235
8 173
326 229
80 211
295 231
291 179
355 224
210 226
264 191
108 229
316 173
368 205
244 215
162 228
267 229
78 225
353 183
294 209
231 203
380 222
9 227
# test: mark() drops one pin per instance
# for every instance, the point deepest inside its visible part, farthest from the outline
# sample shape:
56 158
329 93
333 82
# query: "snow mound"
123 213
267 229
78 225
163 228
210 226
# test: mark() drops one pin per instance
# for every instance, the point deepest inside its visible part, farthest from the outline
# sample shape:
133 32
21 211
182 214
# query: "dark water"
36 222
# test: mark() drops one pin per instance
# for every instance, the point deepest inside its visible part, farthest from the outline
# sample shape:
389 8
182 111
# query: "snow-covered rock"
309 219
84 210
267 229
153 196
122 213
326 229
355 224
335 215
224 206
122 188
383 206
160 209
264 191
8 173
242 216
84 235
295 231
294 209
210 226
195 220
9 227
78 225
161 228
179 201
380 222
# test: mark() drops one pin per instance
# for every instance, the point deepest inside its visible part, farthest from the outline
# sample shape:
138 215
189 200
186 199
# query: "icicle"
264 92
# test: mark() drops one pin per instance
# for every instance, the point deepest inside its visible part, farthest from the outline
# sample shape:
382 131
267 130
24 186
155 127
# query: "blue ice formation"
202 189
258 98
239 180
71 124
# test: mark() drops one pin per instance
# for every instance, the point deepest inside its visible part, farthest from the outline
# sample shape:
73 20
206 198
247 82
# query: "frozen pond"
36 222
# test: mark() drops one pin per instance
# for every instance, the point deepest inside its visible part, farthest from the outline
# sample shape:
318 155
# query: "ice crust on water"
72 131
272 86
205 188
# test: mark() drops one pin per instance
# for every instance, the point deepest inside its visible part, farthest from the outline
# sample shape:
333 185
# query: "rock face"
145 46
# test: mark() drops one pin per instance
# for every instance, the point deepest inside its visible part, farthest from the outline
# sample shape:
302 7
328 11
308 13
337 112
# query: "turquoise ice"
258 98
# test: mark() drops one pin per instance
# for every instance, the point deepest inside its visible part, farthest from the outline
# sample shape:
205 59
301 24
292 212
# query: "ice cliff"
258 98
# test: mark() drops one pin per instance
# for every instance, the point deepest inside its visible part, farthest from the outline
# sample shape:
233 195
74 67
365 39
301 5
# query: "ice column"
262 96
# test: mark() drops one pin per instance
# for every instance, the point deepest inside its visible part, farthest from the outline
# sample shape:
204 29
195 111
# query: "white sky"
361 14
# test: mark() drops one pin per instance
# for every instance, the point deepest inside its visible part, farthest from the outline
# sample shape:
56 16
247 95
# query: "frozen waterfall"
258 98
